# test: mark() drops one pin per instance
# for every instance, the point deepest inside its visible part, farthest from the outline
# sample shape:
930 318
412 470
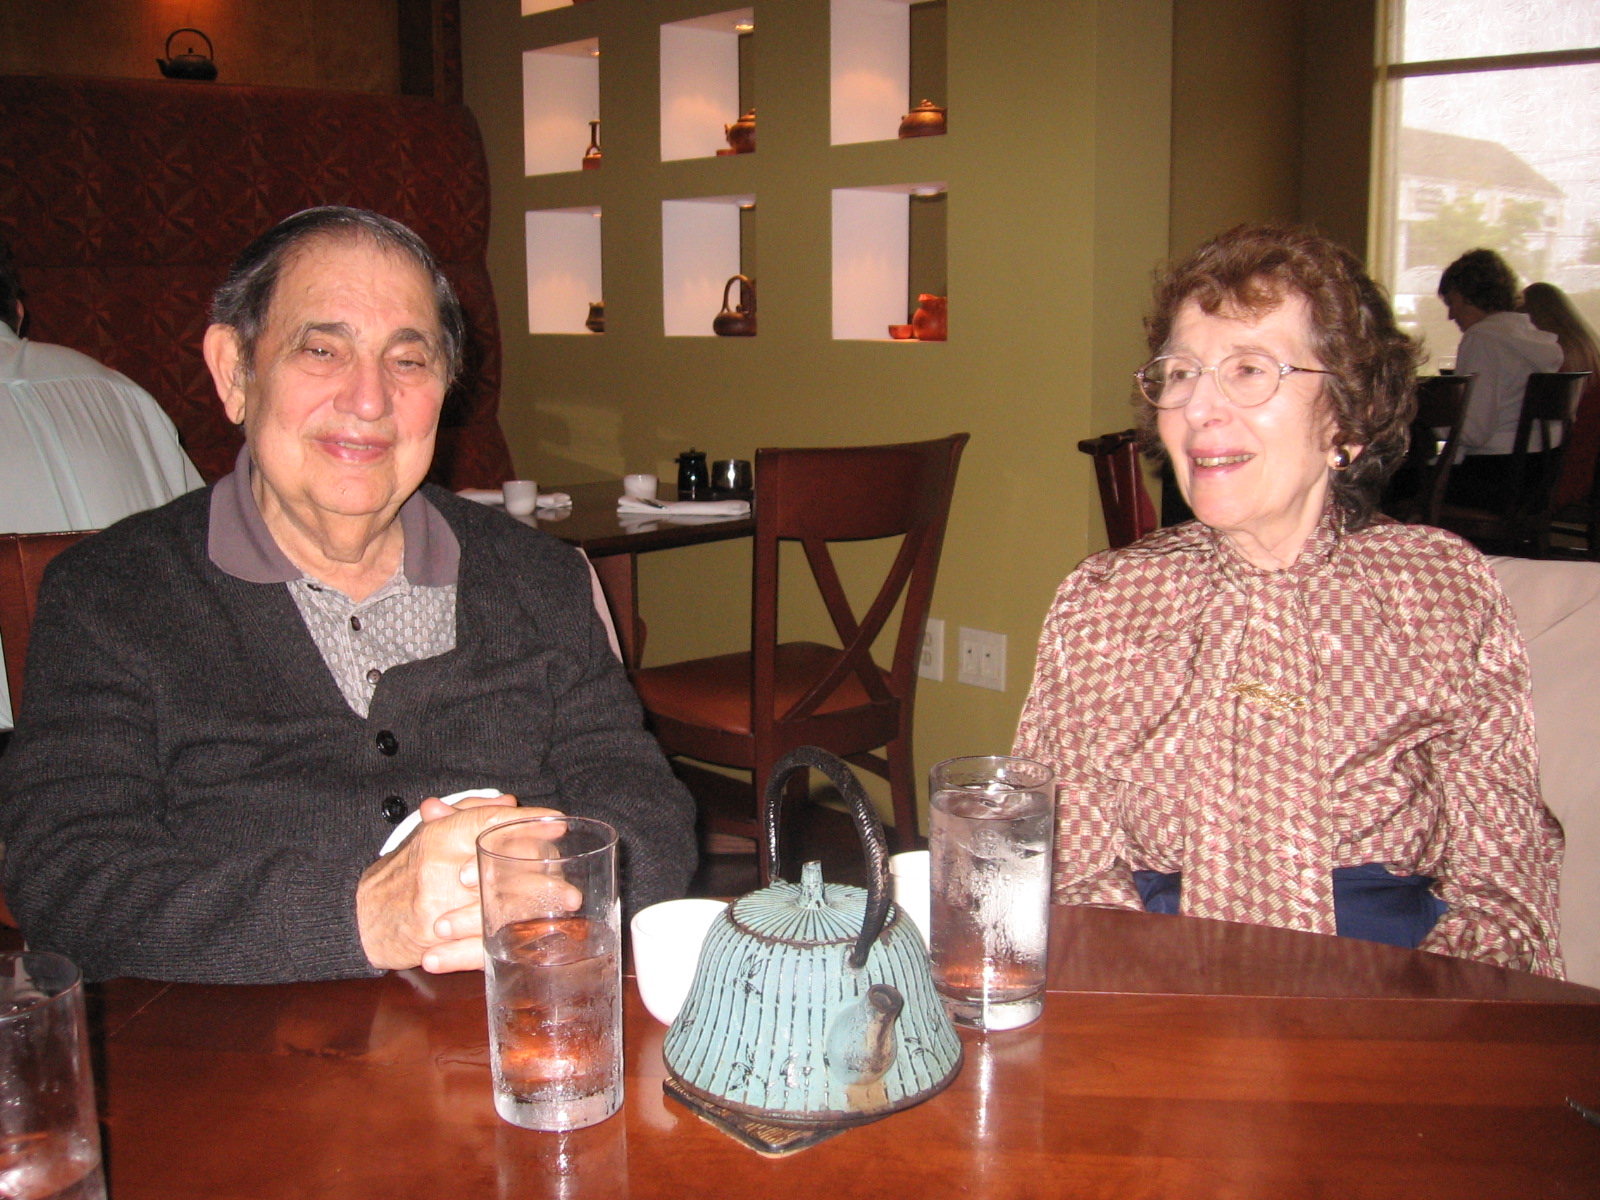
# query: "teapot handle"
867 826
746 288
210 49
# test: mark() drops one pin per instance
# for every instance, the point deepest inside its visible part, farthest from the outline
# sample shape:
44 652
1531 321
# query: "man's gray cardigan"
188 795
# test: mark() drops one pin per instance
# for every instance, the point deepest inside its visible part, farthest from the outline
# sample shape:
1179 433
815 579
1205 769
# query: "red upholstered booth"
125 201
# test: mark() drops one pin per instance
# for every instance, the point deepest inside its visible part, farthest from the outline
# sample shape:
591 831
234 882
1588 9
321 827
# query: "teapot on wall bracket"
190 65
813 1007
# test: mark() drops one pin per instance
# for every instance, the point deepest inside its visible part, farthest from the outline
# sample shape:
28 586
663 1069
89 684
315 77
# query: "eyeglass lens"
1246 379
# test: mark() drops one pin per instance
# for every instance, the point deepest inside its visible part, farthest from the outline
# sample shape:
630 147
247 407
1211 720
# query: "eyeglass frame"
1284 371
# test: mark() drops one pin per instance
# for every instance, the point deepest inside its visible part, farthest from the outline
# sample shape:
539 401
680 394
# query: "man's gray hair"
245 297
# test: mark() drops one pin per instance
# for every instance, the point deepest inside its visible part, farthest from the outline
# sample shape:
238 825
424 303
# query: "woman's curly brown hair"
1371 393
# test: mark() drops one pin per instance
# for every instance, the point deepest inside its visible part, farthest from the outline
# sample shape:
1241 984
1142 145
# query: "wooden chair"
1419 485
1123 497
23 557
1575 510
750 708
1523 521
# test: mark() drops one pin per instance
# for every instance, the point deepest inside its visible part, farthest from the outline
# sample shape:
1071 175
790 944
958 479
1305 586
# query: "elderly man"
235 698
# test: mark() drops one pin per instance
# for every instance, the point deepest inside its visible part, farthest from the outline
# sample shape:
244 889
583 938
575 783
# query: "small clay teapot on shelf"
591 156
741 134
597 317
740 321
931 321
925 120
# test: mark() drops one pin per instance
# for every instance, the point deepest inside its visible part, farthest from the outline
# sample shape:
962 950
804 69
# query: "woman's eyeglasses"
1247 379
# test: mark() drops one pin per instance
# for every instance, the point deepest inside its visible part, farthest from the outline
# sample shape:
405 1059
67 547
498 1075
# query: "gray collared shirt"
411 617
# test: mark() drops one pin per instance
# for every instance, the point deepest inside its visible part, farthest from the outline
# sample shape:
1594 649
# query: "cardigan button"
387 742
394 809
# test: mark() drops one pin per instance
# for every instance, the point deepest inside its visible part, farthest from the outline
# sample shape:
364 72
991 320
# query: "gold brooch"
1271 697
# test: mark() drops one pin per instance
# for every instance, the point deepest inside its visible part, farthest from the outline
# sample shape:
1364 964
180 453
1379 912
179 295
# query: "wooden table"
1176 1058
613 545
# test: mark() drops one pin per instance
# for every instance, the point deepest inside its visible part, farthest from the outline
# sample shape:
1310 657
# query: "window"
1489 135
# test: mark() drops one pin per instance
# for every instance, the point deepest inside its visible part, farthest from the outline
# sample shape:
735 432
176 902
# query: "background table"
1176 1058
613 545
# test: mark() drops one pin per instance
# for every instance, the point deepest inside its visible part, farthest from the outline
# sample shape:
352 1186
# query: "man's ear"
221 349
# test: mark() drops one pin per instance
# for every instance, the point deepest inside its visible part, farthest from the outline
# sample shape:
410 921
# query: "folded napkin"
493 496
685 508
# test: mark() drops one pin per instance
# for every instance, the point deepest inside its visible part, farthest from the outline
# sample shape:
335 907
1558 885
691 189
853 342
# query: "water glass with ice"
49 1139
989 847
552 970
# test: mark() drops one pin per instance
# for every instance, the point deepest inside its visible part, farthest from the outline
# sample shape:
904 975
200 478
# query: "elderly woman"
1290 711
234 700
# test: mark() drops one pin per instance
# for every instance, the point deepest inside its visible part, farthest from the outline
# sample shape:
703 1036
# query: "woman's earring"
1341 459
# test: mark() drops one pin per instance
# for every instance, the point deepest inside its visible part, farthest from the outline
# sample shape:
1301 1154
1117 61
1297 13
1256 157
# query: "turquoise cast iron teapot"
813 1003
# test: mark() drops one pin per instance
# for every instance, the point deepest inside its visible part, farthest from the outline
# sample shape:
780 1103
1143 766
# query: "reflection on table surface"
1357 1070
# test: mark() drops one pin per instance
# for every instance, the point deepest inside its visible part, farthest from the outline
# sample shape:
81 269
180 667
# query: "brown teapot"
741 134
592 157
189 65
925 120
740 321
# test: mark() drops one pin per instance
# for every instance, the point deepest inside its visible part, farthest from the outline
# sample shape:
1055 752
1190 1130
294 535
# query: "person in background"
1549 308
81 445
1292 711
1501 347
235 699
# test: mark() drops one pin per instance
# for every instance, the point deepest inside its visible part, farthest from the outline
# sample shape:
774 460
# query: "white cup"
639 487
912 888
521 496
666 950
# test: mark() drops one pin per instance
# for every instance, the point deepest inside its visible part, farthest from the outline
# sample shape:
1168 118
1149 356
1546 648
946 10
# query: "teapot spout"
861 1044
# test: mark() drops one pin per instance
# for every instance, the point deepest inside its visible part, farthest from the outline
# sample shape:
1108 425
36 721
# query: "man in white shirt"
1502 348
81 445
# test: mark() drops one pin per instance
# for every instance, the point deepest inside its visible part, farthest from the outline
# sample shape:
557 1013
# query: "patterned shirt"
399 623
1257 729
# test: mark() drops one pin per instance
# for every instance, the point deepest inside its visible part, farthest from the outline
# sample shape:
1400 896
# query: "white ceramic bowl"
666 950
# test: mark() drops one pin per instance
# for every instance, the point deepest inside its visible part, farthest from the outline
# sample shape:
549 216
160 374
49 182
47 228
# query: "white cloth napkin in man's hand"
685 508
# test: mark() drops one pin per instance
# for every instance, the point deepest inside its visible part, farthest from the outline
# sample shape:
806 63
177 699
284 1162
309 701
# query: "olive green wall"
1272 116
1070 180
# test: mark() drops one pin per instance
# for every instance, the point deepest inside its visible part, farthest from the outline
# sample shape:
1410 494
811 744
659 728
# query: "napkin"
493 496
685 508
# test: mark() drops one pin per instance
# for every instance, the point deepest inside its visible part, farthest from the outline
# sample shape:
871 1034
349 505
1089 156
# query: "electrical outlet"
930 665
983 658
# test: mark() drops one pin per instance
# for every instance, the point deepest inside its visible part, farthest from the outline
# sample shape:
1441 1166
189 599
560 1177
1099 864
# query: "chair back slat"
1544 427
1124 499
23 558
1441 407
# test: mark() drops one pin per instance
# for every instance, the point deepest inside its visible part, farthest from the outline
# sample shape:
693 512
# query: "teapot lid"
808 913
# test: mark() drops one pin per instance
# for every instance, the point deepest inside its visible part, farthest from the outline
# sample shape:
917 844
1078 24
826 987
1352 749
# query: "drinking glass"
989 846
552 970
49 1140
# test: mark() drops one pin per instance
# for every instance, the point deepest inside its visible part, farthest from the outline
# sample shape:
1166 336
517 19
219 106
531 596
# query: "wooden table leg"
619 579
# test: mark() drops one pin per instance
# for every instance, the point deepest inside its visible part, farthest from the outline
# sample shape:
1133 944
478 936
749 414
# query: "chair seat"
714 693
